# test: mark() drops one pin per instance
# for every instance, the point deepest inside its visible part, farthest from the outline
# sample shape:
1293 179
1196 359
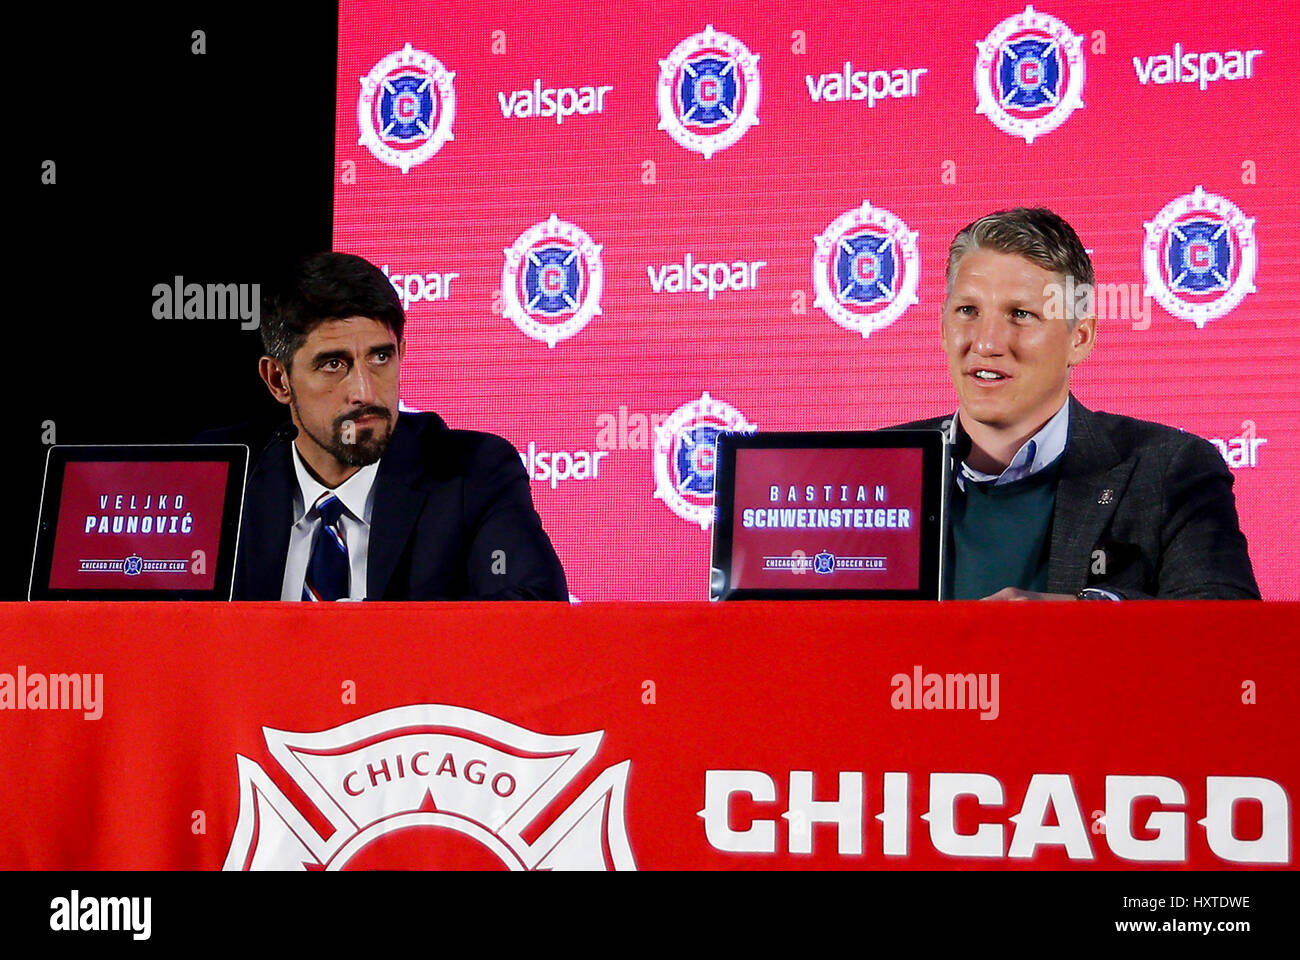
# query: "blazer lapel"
1090 487
268 515
398 498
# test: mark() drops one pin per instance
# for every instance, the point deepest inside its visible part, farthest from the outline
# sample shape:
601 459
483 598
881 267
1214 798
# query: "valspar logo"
420 286
868 85
406 108
1029 74
1241 452
708 92
1201 69
432 786
555 466
1162 836
1199 256
709 278
557 102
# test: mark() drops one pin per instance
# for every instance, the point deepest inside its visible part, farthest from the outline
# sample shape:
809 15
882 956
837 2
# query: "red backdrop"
1120 146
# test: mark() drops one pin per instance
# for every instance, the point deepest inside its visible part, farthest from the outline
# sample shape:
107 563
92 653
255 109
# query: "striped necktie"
328 569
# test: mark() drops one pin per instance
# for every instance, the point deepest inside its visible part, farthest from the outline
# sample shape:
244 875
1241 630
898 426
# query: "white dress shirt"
356 493
1039 451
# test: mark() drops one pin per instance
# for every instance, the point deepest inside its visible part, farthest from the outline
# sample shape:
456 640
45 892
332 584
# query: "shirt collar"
1039 451
356 492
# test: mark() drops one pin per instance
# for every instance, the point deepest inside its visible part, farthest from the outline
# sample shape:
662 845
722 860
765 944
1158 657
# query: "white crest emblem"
1199 256
685 448
552 281
431 786
1029 74
406 108
708 92
866 269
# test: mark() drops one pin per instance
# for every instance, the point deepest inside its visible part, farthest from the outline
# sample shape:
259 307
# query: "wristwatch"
1096 593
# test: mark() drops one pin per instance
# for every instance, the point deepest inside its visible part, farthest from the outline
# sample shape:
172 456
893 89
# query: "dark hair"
1037 234
325 286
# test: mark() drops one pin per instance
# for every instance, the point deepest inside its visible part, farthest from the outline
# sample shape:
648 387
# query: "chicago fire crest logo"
133 566
431 786
552 281
685 449
708 92
1029 74
406 108
866 269
1199 257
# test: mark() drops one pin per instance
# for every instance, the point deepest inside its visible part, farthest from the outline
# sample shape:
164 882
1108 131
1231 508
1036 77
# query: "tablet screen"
829 514
139 526
827 519
139 522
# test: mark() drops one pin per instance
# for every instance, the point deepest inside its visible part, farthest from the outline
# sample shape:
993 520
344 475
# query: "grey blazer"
1142 510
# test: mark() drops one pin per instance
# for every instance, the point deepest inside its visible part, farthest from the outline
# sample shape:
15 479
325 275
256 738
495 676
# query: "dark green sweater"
1002 535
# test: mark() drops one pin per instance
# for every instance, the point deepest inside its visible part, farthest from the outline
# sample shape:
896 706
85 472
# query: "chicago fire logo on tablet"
406 108
1029 74
865 269
685 449
431 786
1199 257
708 92
552 281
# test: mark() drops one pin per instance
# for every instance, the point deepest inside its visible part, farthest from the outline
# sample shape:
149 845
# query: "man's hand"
1015 593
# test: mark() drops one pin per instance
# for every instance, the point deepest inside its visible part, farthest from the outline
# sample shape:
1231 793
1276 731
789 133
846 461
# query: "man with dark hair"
352 500
1051 500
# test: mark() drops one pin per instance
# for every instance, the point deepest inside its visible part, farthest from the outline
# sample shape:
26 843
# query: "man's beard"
368 443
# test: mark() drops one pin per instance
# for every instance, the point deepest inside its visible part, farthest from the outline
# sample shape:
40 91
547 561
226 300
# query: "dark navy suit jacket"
453 519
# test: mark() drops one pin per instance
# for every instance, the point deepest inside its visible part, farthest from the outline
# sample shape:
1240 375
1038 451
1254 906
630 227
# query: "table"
839 735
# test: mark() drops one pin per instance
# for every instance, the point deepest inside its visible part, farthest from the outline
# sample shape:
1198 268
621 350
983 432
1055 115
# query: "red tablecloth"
748 736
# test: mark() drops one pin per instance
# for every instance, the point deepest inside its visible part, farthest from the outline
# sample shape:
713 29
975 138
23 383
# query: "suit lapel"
1090 487
399 496
268 515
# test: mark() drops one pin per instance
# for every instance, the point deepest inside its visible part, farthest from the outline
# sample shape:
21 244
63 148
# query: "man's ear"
275 376
401 348
1082 337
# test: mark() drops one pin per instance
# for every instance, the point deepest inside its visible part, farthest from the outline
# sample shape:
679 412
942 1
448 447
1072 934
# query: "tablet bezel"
57 459
934 489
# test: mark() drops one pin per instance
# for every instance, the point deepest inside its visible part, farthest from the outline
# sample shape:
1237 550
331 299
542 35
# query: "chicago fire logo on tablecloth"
1199 256
685 447
406 108
431 786
865 269
708 92
552 281
1029 74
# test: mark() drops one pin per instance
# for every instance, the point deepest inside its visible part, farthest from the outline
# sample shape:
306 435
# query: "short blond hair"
1035 233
